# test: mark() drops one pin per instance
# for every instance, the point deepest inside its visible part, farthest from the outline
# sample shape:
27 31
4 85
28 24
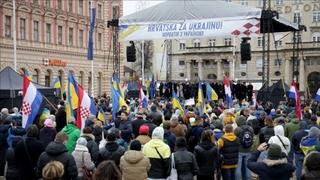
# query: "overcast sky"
130 7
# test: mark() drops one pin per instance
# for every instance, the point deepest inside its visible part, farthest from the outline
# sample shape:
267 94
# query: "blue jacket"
126 130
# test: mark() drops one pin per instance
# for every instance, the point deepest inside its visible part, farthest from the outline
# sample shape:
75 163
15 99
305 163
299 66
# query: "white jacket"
279 133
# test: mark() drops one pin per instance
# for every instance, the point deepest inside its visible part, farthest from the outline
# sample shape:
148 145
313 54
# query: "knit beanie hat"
314 132
312 161
158 133
48 123
274 152
135 145
82 141
144 130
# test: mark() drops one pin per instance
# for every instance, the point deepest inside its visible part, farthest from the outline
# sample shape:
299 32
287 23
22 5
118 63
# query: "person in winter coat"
4 127
311 166
133 164
143 137
125 127
159 154
110 150
274 167
194 133
139 120
289 129
169 137
47 133
185 162
91 144
12 172
309 142
176 128
82 157
242 172
206 154
61 117
57 151
266 132
229 147
280 139
27 153
73 135
107 170
298 154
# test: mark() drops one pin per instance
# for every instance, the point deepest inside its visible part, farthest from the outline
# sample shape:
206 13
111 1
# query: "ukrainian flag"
100 115
116 85
57 83
117 97
201 104
176 103
72 96
211 93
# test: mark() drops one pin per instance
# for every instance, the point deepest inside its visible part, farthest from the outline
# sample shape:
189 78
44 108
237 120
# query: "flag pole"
14 37
92 74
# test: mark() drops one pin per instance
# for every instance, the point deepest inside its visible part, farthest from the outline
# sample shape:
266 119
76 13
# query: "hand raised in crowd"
262 147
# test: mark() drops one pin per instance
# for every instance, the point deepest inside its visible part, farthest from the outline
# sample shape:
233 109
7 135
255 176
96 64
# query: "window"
70 6
227 41
316 37
297 17
196 43
48 33
182 46
48 3
35 30
244 2
99 40
259 63
70 36
279 2
277 62
259 42
297 1
35 76
22 28
47 78
212 76
80 38
181 74
8 27
212 42
60 35
277 73
99 11
81 7
316 16
181 63
278 43
60 4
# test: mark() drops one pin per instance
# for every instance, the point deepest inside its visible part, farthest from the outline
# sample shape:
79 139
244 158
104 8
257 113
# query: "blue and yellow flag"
176 103
211 93
201 104
117 97
100 115
116 85
72 96
57 83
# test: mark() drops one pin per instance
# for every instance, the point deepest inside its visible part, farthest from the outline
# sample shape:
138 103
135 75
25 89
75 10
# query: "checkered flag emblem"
248 29
26 108
84 112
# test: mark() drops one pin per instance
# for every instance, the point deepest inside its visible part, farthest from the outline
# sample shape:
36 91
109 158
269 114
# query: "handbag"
87 174
173 172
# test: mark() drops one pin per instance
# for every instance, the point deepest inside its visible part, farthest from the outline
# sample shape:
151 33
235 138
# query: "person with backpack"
245 135
229 147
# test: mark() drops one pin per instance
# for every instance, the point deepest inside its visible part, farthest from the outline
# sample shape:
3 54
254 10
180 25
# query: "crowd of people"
161 142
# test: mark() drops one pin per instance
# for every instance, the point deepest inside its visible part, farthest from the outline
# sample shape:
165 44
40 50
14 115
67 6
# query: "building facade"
210 59
52 39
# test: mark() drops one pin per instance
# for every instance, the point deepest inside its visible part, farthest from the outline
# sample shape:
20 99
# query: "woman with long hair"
107 170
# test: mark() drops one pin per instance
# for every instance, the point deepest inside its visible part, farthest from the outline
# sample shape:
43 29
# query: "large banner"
190 29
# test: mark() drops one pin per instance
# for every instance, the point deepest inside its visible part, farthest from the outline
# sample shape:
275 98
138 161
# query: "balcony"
210 49
305 45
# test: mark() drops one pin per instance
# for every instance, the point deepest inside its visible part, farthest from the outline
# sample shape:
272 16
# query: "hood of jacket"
270 162
303 125
314 132
88 137
81 148
241 120
112 146
156 143
69 128
206 145
56 148
230 136
278 130
133 157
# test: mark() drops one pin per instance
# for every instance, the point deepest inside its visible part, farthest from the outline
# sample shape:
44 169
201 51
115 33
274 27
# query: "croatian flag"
31 102
143 99
227 91
317 98
85 108
294 94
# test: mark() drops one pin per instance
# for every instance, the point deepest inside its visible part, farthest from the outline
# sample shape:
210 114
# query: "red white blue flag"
31 102
294 94
86 107
227 91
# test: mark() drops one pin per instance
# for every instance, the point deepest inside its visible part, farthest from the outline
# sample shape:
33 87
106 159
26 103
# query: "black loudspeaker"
245 52
131 52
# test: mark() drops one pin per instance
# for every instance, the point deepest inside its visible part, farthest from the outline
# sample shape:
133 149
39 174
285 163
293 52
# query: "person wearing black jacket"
111 150
298 154
274 167
137 123
57 151
206 154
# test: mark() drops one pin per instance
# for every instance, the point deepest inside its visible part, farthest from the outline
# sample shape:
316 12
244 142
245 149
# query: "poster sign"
189 102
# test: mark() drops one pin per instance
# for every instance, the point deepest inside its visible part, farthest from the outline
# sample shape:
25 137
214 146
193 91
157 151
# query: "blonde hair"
54 170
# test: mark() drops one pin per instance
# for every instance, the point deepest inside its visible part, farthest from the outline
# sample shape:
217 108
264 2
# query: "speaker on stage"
131 52
245 50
